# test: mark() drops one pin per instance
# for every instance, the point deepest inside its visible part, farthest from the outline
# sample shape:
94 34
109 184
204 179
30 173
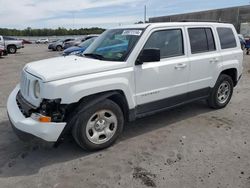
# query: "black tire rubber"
213 100
10 48
59 48
79 128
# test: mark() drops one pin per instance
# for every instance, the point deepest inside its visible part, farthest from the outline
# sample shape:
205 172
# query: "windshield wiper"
95 56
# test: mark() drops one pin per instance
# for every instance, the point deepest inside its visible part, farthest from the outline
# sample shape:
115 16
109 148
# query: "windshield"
114 44
87 42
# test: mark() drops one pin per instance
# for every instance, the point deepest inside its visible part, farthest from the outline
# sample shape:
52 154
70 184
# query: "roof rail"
200 20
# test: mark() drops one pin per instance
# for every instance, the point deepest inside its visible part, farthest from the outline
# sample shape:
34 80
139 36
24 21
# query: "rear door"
204 58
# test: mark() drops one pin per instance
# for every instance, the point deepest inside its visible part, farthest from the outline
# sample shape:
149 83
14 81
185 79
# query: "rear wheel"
12 49
99 126
222 92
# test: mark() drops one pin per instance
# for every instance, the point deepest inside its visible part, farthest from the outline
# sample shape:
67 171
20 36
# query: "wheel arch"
9 45
74 109
232 72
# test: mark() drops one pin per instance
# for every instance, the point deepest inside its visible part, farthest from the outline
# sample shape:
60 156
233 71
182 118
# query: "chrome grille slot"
24 84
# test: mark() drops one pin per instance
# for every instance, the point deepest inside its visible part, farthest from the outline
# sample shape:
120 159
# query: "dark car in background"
242 41
3 51
58 45
26 41
247 46
74 50
77 41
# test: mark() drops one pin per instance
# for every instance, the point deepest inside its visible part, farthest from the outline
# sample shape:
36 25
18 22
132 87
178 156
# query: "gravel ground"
191 146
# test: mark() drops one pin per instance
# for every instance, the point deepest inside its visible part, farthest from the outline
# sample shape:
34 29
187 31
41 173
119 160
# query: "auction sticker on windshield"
132 32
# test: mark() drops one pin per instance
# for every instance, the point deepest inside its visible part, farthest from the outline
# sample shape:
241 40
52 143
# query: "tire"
243 47
59 48
11 49
104 119
221 93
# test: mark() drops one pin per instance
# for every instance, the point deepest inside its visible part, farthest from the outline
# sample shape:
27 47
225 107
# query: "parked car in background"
11 44
74 50
242 41
58 45
42 41
247 46
77 41
2 51
26 41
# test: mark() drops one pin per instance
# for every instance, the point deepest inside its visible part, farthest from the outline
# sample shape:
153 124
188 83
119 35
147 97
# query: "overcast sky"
90 13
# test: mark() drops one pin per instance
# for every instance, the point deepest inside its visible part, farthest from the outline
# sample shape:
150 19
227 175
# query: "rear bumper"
46 131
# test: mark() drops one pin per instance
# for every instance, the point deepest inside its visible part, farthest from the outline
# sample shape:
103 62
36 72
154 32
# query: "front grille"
24 84
25 107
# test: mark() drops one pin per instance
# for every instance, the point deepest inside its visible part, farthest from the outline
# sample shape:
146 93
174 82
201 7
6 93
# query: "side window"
227 38
201 40
170 42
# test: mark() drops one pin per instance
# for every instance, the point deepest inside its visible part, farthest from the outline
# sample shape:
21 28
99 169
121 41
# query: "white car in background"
42 41
11 44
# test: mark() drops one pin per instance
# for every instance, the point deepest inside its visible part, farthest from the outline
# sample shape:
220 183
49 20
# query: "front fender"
74 89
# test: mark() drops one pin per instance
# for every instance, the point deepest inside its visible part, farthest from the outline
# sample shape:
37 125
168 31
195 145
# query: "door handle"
214 60
180 66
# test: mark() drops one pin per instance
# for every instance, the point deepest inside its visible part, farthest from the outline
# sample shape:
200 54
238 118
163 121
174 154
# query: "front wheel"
221 93
99 126
12 49
59 48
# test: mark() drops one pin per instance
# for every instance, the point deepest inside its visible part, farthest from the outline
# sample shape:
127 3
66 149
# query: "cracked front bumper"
46 131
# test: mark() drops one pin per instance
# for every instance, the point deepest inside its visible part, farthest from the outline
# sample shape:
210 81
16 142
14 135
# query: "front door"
163 84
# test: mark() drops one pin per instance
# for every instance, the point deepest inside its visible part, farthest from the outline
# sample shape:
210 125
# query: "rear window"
201 40
227 38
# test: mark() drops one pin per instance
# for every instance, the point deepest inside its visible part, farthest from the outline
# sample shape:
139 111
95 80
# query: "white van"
127 73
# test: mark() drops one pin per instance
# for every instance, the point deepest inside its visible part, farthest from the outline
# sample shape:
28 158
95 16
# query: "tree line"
50 32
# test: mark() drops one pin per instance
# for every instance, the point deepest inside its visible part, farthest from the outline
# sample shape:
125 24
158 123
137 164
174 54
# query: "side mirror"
149 55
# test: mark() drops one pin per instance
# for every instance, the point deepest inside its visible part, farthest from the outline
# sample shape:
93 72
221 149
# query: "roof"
171 24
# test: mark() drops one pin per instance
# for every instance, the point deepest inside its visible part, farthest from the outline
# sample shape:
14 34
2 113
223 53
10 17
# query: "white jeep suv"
127 73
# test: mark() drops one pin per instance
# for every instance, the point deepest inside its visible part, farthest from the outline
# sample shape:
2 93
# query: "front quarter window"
114 44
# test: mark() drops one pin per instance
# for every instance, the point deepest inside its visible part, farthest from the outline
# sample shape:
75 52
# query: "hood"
72 49
69 66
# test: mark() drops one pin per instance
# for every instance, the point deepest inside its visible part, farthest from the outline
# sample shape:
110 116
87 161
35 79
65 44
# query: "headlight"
75 52
37 89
